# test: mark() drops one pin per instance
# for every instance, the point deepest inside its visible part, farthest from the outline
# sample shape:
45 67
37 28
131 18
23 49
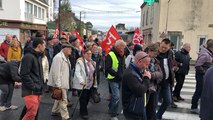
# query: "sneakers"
2 108
114 118
175 99
195 111
55 114
12 107
180 98
173 105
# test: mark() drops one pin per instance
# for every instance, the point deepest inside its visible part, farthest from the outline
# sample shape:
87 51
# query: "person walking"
84 80
8 76
115 65
32 78
59 77
204 61
134 87
182 58
165 57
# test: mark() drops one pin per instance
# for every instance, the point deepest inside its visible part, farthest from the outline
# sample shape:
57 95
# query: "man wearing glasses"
135 84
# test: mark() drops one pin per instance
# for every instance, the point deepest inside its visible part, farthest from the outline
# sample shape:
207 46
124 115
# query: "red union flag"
75 32
110 39
56 31
138 38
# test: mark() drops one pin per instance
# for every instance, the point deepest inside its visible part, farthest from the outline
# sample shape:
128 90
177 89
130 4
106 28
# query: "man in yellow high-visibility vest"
115 65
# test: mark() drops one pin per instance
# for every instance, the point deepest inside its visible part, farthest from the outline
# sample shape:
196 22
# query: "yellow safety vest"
115 63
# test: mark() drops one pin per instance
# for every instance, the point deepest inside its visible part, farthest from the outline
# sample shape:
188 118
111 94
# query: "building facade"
182 21
24 17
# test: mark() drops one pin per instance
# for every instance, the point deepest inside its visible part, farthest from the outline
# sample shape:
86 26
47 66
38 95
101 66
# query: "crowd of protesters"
138 75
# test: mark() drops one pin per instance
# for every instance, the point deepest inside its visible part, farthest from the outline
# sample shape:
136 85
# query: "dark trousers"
180 80
7 94
84 100
151 106
198 90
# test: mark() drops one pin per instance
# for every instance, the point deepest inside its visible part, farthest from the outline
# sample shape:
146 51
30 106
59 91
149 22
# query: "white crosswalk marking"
183 110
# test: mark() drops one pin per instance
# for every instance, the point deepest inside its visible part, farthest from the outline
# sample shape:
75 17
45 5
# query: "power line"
101 11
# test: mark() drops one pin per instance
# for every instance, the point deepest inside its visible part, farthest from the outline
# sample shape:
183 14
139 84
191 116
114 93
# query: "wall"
5 31
11 10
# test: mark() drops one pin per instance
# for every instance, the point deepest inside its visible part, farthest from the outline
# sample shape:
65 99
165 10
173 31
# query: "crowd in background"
145 75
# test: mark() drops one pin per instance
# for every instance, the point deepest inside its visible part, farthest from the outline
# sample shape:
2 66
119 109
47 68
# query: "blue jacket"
206 106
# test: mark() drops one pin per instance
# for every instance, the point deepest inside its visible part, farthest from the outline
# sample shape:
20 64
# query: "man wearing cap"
49 49
76 51
58 47
59 77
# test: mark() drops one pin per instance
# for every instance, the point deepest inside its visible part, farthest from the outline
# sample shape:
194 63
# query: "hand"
181 64
82 83
147 74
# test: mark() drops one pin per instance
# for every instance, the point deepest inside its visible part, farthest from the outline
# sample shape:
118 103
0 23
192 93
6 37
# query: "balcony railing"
29 17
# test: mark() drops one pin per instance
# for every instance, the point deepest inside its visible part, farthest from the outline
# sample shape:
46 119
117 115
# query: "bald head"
139 56
142 60
187 47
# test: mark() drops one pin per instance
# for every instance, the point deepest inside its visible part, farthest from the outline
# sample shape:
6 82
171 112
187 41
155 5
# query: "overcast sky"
104 13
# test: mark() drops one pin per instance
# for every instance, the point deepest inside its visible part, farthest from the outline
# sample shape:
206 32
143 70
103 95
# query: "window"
0 4
42 13
143 18
35 11
201 40
39 12
28 8
147 16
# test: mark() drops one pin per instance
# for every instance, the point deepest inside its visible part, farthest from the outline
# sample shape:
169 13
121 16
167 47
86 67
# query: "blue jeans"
166 95
198 90
115 98
131 117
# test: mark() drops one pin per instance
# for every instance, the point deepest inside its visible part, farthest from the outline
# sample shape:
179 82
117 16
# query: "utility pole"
59 19
80 25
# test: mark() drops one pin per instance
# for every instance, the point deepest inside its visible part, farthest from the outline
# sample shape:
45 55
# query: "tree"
66 16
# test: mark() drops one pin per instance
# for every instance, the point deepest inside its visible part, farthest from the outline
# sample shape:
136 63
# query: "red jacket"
4 49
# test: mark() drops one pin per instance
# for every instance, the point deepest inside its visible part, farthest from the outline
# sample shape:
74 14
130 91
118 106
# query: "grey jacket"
204 60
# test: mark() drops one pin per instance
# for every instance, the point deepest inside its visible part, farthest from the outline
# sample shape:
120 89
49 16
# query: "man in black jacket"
114 68
136 84
165 57
32 78
182 59
8 76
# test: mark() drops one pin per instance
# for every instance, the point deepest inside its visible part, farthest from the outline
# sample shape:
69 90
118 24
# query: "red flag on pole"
75 32
138 38
56 31
110 39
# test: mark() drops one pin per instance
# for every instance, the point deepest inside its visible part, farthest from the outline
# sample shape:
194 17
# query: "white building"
180 20
23 17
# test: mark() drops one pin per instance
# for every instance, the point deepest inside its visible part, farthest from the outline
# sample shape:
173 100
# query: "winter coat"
59 75
14 54
80 75
183 57
31 73
133 84
204 60
121 66
206 105
4 49
171 73
156 72
9 72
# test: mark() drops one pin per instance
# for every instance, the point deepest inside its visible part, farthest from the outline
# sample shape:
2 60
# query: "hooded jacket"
31 73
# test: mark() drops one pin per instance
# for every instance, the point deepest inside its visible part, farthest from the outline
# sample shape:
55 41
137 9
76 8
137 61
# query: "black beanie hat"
137 47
